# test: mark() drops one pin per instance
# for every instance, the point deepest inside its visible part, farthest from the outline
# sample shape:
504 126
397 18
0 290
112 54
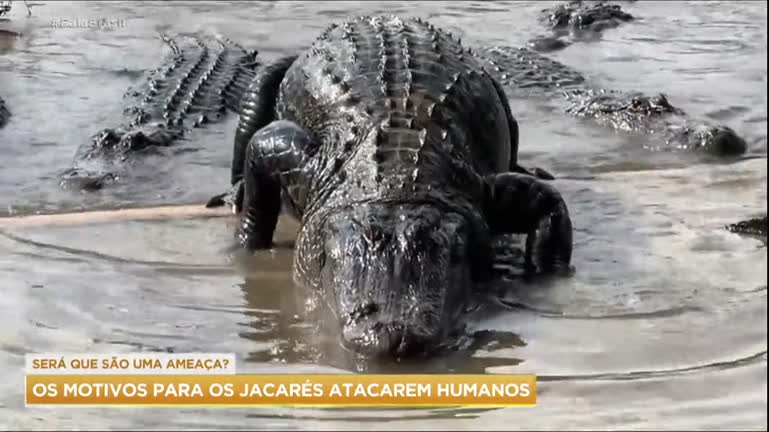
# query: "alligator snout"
384 340
723 141
715 140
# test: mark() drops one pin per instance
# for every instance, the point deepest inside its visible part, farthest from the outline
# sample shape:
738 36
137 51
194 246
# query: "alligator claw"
216 201
232 198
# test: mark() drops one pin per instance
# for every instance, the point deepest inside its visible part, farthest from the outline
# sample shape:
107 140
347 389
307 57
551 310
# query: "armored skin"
200 83
206 77
755 227
397 152
527 74
577 20
5 114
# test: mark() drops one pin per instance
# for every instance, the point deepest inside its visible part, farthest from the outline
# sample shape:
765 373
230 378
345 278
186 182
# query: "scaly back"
401 104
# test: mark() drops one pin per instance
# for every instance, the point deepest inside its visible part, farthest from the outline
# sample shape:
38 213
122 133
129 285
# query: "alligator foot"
232 198
521 204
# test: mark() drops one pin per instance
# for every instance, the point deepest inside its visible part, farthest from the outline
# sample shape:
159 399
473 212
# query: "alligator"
5 114
755 227
201 82
525 73
161 113
578 20
397 152
7 5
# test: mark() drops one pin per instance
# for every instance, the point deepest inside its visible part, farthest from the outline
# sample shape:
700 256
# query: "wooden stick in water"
107 216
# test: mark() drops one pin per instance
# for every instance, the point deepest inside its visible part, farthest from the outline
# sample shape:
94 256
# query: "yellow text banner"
292 390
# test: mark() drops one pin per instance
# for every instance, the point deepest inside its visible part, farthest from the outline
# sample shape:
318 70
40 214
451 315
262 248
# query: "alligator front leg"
274 157
257 110
512 123
521 204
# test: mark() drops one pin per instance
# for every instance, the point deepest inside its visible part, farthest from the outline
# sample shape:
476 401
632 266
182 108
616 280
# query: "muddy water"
662 326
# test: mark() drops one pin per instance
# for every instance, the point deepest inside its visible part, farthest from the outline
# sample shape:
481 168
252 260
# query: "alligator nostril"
382 340
363 311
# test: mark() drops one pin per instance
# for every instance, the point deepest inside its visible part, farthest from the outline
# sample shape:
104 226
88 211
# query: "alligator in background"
577 20
4 113
6 6
201 83
209 75
582 20
528 74
525 72
756 227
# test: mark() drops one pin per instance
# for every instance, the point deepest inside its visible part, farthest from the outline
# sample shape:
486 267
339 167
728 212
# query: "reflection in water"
666 373
7 40
290 332
412 414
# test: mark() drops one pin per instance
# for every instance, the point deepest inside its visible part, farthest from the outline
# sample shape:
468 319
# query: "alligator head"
396 277
582 17
756 227
4 113
652 114
117 143
582 20
112 146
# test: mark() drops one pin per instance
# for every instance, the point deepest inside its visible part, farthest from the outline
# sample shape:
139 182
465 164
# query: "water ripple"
662 373
165 266
660 313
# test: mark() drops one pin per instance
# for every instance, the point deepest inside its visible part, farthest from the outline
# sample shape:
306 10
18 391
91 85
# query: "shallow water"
662 326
